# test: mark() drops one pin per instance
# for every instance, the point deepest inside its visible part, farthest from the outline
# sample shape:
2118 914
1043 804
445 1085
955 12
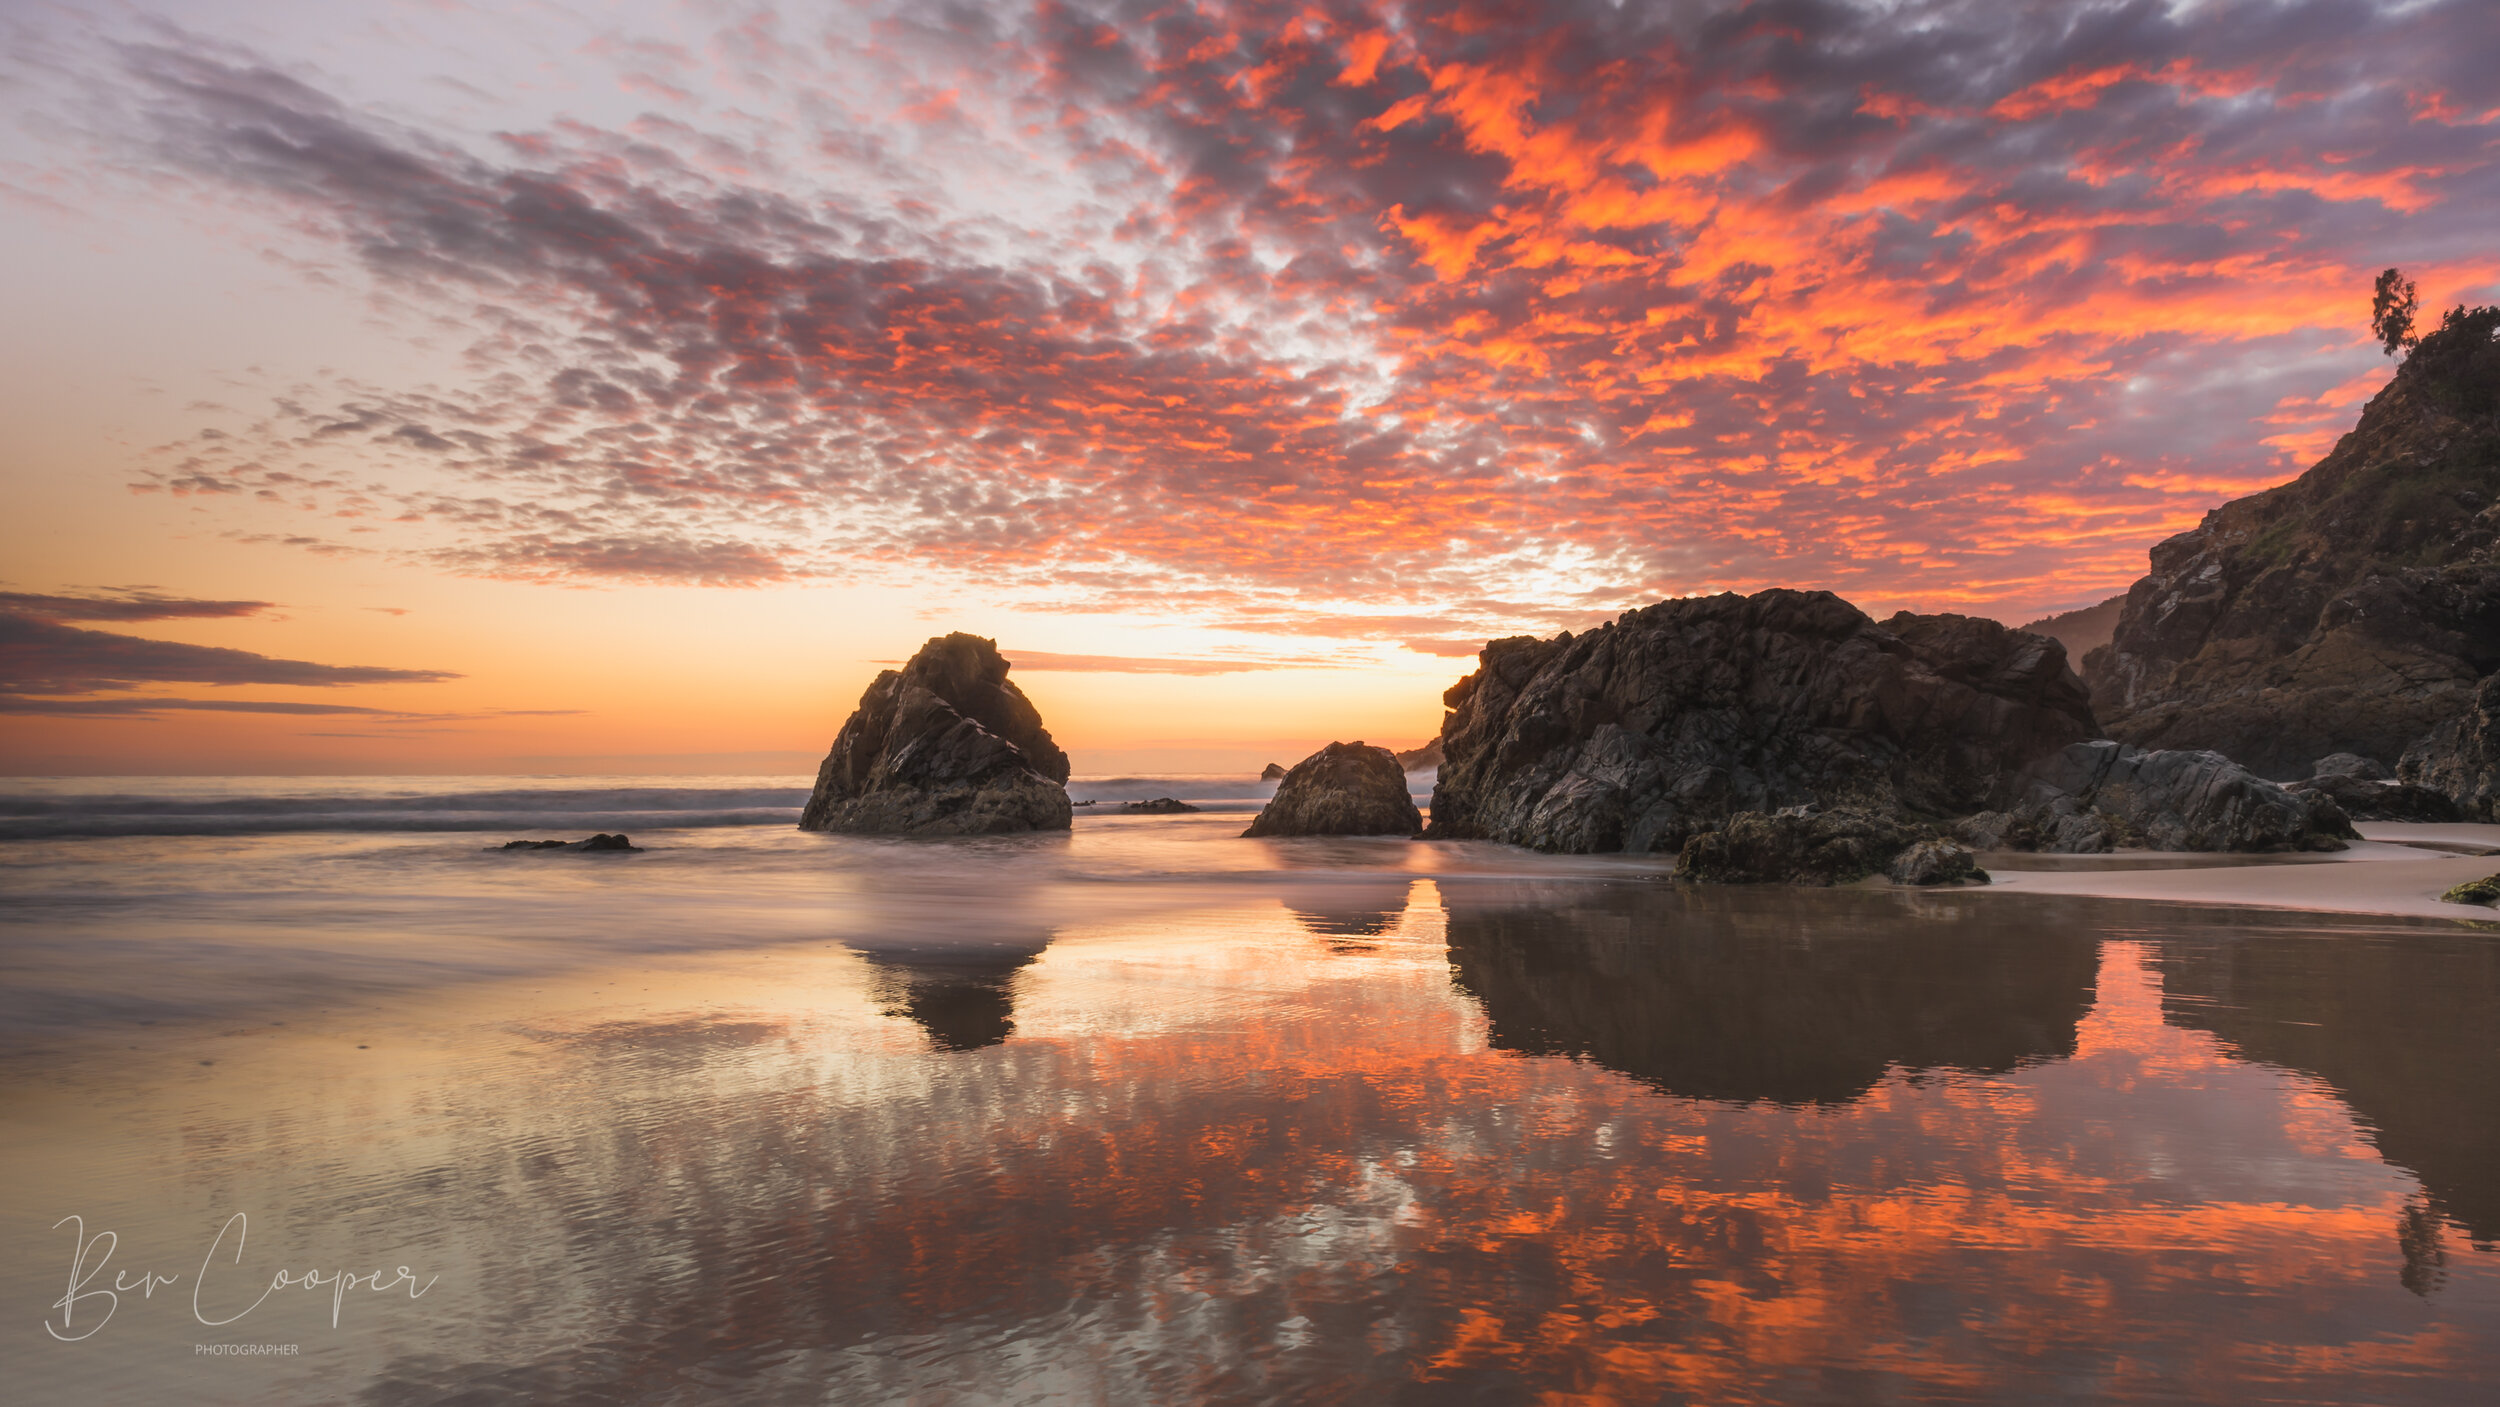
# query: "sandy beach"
2397 869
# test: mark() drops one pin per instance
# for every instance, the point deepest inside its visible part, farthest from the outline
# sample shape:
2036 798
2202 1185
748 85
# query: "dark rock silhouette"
600 842
2099 796
1933 862
1643 733
944 746
1342 789
1421 759
2354 609
1710 994
1795 847
1275 772
2408 1036
1160 806
2081 631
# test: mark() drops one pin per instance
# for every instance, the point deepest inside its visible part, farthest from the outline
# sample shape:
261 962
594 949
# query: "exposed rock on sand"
2351 610
1342 789
1937 862
1795 847
2362 800
2099 796
2485 892
1646 732
945 746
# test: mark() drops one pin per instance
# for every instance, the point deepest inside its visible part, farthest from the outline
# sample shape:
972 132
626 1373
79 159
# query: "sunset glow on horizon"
412 387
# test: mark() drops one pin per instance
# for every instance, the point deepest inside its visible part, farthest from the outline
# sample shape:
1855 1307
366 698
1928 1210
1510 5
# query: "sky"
418 386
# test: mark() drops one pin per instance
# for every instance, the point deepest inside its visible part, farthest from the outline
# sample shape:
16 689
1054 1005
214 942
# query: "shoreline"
2398 869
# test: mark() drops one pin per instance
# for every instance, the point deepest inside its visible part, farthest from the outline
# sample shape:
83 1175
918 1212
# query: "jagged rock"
2100 796
1275 772
2353 609
2460 758
2363 800
945 746
1643 733
1160 806
2081 631
601 841
1936 862
1820 847
1421 759
2350 764
1342 789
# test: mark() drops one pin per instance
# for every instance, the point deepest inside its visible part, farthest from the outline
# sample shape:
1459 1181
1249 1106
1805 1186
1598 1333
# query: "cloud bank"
1244 312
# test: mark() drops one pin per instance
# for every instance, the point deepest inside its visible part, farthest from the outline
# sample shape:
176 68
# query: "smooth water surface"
1150 1114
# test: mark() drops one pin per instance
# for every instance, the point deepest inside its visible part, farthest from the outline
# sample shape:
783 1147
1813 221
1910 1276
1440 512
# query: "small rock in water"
601 841
1275 772
1936 862
1160 806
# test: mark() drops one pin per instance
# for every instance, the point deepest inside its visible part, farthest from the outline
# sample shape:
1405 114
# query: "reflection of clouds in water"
1321 1190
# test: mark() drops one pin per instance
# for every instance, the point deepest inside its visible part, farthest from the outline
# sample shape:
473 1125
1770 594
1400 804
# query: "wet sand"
2394 871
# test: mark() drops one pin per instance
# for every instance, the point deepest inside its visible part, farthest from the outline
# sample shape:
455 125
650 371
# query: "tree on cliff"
2392 305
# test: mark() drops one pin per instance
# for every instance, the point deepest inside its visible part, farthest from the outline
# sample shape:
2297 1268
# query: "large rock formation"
1342 789
2460 758
944 746
2353 609
2100 796
1642 733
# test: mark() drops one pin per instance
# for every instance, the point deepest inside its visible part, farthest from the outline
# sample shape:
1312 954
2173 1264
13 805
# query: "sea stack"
1676 718
1342 789
943 746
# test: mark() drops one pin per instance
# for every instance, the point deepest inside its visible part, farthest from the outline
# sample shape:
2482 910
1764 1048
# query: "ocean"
1146 1112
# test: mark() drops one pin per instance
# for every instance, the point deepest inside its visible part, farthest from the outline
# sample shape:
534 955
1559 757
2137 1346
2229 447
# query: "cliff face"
2351 610
1639 734
944 746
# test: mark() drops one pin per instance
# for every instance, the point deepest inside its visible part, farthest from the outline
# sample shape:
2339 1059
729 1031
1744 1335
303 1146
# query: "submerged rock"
2100 796
1342 789
1662 725
944 746
1795 847
1160 806
1936 862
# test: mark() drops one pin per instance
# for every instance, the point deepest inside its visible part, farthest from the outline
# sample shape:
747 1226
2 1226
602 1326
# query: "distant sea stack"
944 746
1342 789
2355 609
1664 724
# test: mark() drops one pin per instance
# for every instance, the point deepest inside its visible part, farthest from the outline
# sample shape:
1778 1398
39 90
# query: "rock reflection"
2404 1026
1353 911
964 997
1728 995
